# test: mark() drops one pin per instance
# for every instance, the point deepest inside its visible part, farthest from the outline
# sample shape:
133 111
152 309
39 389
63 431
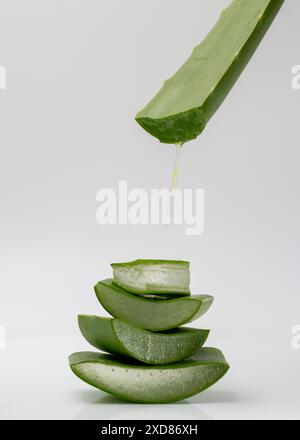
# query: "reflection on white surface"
107 407
111 408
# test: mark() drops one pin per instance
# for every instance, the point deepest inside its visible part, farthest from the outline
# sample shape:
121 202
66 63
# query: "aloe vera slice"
140 383
150 314
168 277
181 109
122 338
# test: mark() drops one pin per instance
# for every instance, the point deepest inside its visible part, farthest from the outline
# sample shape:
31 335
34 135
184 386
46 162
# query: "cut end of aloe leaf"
150 314
139 383
181 109
168 277
177 128
122 338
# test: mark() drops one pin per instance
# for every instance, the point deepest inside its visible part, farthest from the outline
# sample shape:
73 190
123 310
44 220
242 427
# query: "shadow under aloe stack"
151 358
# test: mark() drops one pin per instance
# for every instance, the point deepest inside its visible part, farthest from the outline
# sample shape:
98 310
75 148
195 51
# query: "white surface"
36 383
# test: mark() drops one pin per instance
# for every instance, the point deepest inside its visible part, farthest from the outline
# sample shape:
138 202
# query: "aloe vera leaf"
122 338
140 383
181 109
167 277
150 314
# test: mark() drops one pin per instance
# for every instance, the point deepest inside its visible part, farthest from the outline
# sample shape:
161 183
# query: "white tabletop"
36 383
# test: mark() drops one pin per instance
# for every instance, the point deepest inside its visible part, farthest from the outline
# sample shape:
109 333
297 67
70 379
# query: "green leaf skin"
124 339
135 382
164 277
181 109
150 314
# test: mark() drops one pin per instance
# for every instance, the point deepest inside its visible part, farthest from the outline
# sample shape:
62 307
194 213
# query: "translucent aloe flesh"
122 338
168 277
181 109
140 383
150 314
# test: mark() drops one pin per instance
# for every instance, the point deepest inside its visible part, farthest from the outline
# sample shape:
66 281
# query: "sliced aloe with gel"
140 383
150 314
181 109
122 338
168 277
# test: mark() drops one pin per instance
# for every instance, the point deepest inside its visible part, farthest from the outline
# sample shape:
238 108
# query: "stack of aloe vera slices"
151 358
